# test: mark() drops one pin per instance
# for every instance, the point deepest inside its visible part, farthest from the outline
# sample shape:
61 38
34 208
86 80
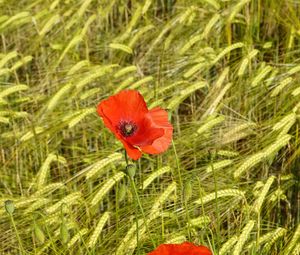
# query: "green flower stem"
126 158
136 194
182 188
17 234
216 201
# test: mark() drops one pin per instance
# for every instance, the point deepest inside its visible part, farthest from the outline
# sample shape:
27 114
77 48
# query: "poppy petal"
106 120
181 249
159 118
131 151
126 105
127 116
146 133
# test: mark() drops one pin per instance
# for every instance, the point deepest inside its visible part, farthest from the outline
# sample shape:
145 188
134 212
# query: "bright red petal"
159 119
153 132
163 249
194 249
203 250
106 120
146 133
126 105
132 152
185 248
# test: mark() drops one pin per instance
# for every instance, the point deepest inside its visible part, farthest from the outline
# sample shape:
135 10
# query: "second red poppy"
185 248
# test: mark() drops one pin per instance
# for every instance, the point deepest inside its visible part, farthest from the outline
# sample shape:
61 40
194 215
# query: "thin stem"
134 188
217 202
182 188
135 191
17 234
126 157
202 207
137 227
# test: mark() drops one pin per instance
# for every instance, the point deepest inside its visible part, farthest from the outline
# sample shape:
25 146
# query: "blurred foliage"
227 71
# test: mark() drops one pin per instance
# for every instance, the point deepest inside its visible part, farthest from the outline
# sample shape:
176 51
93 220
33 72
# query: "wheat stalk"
226 247
261 75
225 51
259 201
13 89
135 18
293 242
280 232
7 57
53 102
155 175
101 223
246 61
143 81
218 165
281 86
162 198
96 168
221 193
106 187
23 61
249 163
185 93
83 113
200 222
125 70
37 205
53 20
266 237
71 199
243 237
77 237
284 121
122 47
43 172
49 188
209 124
236 9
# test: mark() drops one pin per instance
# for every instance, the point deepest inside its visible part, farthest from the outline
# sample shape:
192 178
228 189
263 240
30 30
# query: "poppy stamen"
127 128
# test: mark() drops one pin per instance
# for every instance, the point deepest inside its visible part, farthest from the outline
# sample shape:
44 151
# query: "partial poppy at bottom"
139 129
185 248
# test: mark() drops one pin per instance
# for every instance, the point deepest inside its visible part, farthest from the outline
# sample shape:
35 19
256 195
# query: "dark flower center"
127 128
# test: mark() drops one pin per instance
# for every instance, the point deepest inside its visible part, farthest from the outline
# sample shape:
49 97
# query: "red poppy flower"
139 129
185 248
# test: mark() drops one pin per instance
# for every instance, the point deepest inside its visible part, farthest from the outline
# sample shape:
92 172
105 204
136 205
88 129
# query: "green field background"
227 72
